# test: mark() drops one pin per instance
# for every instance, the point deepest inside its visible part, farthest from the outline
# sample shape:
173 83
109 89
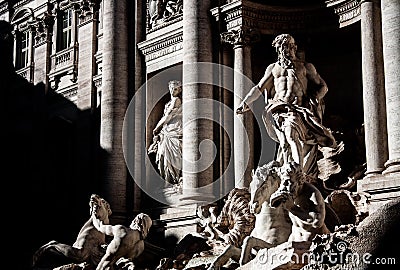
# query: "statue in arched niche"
167 140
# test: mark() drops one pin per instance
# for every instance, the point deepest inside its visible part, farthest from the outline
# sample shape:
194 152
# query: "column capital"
242 36
43 27
85 8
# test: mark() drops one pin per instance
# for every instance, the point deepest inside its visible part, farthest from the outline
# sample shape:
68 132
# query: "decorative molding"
242 36
3 7
271 19
162 45
43 27
349 11
27 72
165 24
97 80
64 63
70 92
21 3
99 62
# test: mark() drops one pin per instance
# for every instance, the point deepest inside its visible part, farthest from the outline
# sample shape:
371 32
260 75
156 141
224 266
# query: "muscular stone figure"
127 243
303 201
89 242
293 115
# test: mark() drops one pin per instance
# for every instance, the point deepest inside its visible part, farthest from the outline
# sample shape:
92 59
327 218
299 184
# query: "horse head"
291 175
265 182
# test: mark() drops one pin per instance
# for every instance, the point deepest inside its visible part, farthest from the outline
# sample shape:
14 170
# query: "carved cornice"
349 11
3 7
83 8
241 36
271 19
21 3
165 24
69 92
161 46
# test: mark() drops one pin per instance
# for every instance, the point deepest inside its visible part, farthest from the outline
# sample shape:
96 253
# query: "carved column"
196 131
391 54
227 122
243 141
373 87
114 101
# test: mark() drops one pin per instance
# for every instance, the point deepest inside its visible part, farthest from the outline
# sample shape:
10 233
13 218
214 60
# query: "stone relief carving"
161 11
167 140
88 247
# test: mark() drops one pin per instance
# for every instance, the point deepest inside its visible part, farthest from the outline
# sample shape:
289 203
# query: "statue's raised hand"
243 107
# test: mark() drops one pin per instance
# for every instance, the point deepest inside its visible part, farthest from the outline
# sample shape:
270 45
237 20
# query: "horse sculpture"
272 225
88 245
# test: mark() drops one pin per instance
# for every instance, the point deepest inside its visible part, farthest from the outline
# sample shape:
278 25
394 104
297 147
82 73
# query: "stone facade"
111 57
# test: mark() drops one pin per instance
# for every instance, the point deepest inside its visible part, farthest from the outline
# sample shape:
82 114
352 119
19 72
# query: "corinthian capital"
42 26
240 36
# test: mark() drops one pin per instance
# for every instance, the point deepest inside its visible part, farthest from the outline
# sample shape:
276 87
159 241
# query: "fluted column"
113 104
196 132
227 168
373 88
391 55
139 131
243 138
